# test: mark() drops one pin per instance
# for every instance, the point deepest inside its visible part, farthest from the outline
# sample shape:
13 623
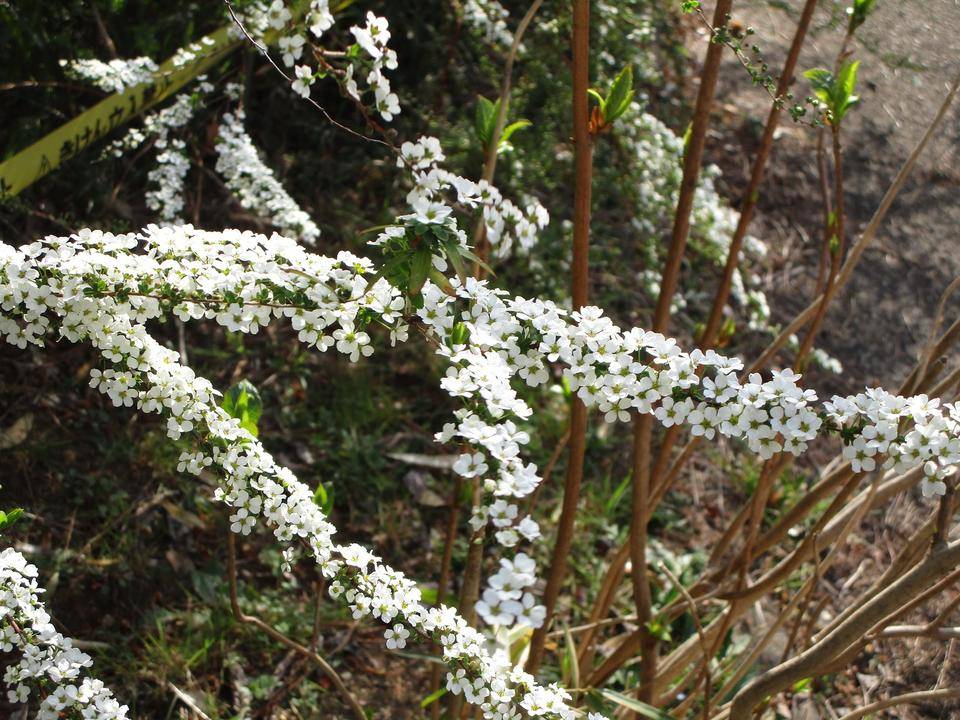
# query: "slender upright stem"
836 245
583 169
752 193
643 424
444 581
492 151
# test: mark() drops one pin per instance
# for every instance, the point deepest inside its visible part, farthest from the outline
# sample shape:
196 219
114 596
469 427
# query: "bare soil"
909 53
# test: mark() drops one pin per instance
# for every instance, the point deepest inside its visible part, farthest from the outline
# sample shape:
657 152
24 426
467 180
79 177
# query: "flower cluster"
657 171
193 52
115 76
94 288
46 666
254 184
489 19
367 65
505 223
165 196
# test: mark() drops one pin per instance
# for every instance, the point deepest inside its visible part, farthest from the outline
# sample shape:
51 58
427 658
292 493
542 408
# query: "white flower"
396 637
470 465
278 15
292 48
303 81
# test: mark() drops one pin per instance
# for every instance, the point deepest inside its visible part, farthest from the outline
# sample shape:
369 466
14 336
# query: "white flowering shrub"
114 76
497 352
47 666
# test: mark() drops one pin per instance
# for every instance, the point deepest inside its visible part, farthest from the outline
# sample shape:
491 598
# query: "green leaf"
620 96
659 630
323 498
647 711
822 82
242 401
836 92
510 130
570 660
459 334
451 249
484 120
618 492
419 269
470 255
596 96
846 83
858 13
433 697
7 519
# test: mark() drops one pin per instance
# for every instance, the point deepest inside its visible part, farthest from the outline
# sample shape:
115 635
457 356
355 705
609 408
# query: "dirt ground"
909 52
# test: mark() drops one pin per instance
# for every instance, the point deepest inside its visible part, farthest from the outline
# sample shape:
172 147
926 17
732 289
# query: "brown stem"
824 183
868 234
102 31
470 588
267 629
905 699
836 244
601 606
548 470
444 581
583 168
692 160
692 607
752 193
490 161
643 425
638 555
942 559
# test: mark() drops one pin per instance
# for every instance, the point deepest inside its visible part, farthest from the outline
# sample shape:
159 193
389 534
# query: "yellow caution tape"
67 141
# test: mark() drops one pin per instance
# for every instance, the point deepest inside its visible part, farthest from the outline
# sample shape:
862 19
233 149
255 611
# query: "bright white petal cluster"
165 195
254 184
92 287
489 19
373 38
115 76
45 666
194 52
507 226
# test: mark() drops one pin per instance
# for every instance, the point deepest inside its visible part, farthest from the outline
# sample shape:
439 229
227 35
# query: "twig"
692 606
102 30
490 162
187 700
643 425
941 560
263 50
905 699
868 234
752 192
583 162
280 637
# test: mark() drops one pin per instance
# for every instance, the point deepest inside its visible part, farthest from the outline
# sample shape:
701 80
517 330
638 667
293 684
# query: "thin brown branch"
867 236
941 560
583 169
443 583
752 192
492 152
905 699
692 607
267 629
